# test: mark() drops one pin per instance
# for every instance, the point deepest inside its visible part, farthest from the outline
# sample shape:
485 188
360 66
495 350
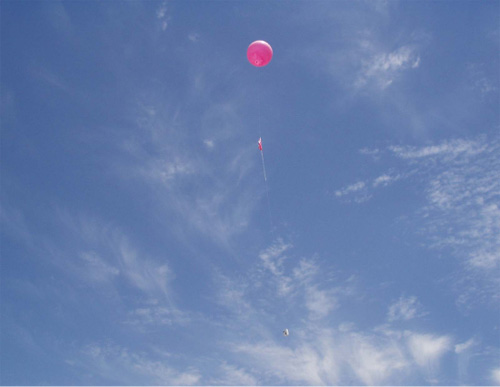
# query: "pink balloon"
259 53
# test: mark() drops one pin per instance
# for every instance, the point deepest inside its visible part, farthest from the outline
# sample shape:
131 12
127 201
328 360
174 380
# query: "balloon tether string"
264 167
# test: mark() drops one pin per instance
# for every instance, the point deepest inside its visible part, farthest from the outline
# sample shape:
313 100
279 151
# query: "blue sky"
141 245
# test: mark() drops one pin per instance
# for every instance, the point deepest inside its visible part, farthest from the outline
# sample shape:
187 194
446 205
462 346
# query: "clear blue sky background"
141 244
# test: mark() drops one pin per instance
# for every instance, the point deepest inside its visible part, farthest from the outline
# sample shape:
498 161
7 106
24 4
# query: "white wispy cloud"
373 152
329 356
465 352
209 143
235 376
118 364
121 258
89 251
427 349
320 303
365 58
480 80
165 170
385 180
300 280
319 353
460 182
161 11
151 278
233 295
451 148
108 261
405 308
97 268
100 259
305 270
273 257
316 352
350 188
463 216
375 363
384 68
286 365
358 191
163 16
465 346
361 191
194 37
154 313
495 376
199 186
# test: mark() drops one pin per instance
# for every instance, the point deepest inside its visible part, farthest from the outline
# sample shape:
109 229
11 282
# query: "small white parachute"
285 332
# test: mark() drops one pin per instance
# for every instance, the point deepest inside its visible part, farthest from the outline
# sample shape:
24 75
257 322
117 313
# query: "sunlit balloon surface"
259 53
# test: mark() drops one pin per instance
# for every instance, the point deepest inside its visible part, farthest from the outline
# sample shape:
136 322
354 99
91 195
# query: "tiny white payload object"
285 332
